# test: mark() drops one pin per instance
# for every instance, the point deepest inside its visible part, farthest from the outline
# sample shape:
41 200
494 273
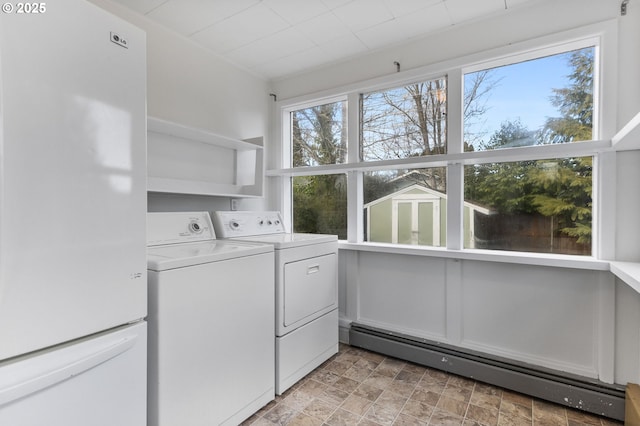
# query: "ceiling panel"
324 28
344 47
360 14
238 30
332 4
466 10
291 11
141 6
276 38
406 27
190 16
400 8
310 58
290 41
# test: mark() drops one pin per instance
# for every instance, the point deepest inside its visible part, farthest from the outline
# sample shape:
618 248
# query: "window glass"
540 206
319 135
542 101
404 122
537 205
320 204
406 206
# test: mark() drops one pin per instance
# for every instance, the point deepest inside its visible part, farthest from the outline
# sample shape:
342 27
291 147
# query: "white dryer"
306 276
211 309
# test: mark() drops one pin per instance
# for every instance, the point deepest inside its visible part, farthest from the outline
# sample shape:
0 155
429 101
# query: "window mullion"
455 101
455 205
355 203
455 171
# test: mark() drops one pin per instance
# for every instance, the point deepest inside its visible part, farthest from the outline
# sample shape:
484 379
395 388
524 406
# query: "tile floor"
357 387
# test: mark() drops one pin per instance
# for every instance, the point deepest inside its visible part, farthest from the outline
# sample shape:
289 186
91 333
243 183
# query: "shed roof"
426 190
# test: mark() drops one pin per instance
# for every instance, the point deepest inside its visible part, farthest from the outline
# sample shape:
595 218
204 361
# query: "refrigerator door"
72 175
58 387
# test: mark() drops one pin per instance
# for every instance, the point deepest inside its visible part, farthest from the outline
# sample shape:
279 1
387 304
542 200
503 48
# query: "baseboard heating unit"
554 386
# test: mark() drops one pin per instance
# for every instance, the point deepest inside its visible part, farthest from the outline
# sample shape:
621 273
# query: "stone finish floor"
357 387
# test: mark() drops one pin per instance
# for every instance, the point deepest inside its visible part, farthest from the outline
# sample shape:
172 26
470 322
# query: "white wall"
188 85
540 315
581 321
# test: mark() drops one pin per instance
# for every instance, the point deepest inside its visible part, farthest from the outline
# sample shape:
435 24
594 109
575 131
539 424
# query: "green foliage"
511 134
319 137
320 204
559 189
574 102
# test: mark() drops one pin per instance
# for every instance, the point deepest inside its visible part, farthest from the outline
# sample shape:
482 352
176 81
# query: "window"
517 175
404 122
320 204
538 206
406 206
319 134
546 100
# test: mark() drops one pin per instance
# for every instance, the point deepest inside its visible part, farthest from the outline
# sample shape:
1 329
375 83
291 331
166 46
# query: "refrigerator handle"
51 375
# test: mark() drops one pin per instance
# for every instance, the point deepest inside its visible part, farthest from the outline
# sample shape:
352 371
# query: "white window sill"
629 272
539 259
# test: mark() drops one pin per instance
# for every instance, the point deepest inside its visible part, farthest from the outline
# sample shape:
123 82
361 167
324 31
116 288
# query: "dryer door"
310 289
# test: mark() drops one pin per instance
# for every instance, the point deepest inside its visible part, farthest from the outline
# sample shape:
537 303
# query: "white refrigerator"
72 216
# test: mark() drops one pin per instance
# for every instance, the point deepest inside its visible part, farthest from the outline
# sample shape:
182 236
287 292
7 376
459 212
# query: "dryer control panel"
229 224
178 227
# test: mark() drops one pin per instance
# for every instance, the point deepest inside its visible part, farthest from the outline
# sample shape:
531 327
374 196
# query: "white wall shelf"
187 160
628 138
629 272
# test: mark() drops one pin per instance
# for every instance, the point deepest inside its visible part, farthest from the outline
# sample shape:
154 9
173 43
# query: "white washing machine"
306 276
211 310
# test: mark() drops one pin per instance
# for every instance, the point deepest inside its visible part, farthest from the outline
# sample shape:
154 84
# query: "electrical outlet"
234 204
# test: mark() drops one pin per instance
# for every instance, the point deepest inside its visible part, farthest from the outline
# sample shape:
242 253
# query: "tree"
408 121
320 204
504 187
563 192
574 102
558 189
319 137
573 182
477 90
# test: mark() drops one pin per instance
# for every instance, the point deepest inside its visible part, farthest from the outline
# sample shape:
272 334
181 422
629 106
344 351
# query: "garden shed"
415 215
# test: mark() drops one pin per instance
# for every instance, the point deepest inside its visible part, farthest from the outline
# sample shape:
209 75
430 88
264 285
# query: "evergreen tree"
574 102
558 189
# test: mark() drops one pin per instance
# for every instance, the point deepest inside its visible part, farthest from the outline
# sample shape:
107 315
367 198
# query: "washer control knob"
234 224
261 222
195 227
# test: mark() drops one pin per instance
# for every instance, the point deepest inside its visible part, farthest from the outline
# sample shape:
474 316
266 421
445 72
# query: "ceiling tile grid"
276 38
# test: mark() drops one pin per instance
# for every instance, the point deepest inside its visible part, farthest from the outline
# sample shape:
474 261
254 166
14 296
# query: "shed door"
416 222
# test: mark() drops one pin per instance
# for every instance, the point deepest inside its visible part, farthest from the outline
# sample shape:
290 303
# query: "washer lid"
162 258
282 241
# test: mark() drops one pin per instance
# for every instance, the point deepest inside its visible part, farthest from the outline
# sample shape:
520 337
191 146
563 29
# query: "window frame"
602 35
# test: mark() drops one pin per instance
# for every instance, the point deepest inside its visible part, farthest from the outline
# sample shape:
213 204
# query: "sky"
523 92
